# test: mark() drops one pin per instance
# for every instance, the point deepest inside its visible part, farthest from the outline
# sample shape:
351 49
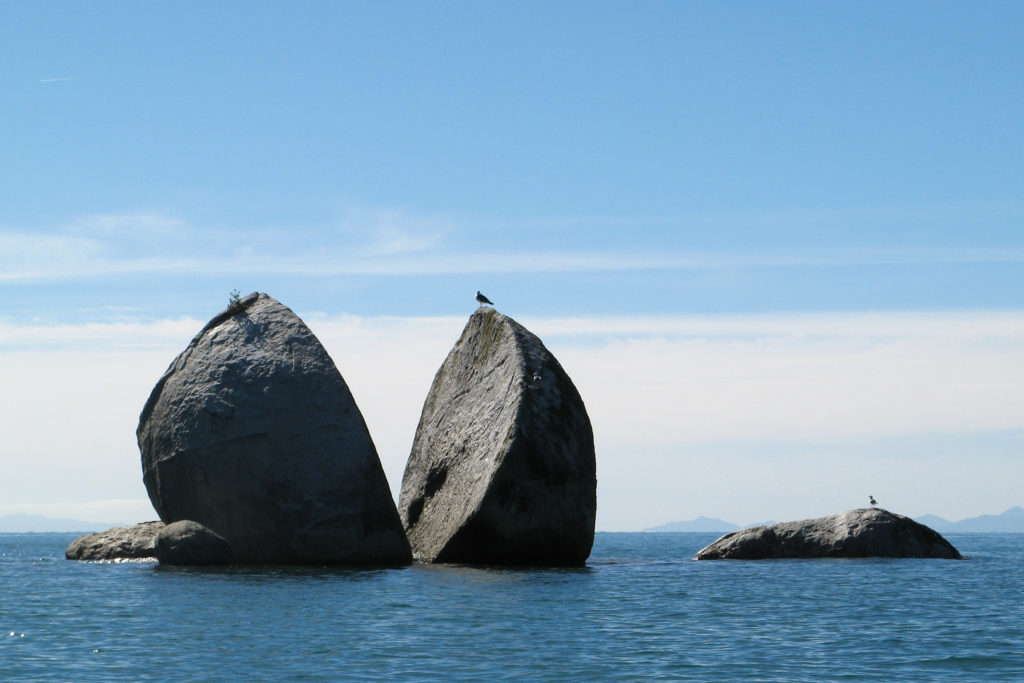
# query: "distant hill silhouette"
933 521
1011 521
20 523
703 524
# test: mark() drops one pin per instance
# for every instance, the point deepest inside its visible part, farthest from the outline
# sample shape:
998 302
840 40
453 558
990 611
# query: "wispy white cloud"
618 260
390 242
153 243
59 79
792 217
107 336
94 246
964 326
388 232
27 257
129 225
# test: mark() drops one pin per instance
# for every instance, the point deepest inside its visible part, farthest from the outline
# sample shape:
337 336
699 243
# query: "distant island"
1011 521
21 523
701 525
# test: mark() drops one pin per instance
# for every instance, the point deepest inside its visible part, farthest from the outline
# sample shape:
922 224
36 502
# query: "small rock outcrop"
253 433
189 543
134 542
502 469
866 532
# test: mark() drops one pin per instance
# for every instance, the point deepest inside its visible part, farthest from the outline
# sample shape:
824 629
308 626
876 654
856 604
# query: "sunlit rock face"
133 542
253 433
502 469
866 532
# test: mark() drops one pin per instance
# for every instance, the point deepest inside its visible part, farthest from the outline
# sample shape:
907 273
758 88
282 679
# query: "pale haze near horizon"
779 249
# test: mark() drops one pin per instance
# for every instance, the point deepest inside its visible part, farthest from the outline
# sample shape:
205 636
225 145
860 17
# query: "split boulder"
502 469
253 433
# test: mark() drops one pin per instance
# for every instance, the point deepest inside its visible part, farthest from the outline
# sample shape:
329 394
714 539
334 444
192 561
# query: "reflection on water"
274 573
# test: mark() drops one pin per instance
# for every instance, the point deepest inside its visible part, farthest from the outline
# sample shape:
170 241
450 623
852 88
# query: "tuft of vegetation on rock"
235 302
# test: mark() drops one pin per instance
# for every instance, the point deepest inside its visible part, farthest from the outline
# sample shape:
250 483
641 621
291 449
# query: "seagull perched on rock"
873 501
483 299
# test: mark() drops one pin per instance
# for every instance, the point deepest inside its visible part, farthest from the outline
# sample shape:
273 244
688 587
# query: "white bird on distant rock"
483 299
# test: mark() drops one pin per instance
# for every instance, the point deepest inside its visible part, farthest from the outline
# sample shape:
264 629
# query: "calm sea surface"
640 610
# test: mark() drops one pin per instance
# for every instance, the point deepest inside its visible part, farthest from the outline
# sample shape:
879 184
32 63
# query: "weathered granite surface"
134 542
502 469
189 543
865 532
253 433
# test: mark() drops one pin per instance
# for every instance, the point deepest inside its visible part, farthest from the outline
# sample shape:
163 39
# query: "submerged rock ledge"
864 532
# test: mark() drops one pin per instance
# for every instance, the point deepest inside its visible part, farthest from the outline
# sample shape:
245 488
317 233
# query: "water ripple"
642 609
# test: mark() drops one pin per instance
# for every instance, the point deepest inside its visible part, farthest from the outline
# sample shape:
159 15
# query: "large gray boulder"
866 532
134 542
189 543
253 433
502 468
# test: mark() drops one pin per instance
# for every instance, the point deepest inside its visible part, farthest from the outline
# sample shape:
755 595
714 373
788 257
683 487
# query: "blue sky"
797 190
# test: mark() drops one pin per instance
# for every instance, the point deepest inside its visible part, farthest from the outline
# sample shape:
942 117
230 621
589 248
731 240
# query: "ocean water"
640 610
